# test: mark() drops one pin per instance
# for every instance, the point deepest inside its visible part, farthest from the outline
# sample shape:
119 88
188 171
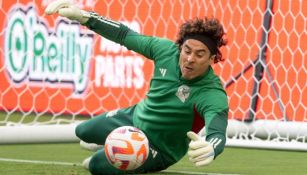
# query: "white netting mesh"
53 70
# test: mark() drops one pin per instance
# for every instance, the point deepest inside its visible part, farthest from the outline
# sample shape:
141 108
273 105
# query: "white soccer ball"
126 148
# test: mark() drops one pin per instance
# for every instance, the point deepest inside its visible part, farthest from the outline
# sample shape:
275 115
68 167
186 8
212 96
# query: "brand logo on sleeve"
215 142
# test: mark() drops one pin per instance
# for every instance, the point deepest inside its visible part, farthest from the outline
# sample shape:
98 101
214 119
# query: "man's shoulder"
165 49
211 83
164 42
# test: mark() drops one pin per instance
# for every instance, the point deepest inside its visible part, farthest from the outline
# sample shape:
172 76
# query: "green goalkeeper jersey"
172 103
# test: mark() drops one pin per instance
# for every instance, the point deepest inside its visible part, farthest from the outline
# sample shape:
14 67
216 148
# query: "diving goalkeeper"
185 95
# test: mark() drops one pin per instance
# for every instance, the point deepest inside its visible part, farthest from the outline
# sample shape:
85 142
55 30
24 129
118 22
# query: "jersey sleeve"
150 47
214 108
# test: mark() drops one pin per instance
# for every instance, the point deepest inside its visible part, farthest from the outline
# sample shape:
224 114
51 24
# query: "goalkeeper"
184 94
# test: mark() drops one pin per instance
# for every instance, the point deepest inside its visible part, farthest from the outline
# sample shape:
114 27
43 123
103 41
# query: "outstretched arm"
115 31
109 29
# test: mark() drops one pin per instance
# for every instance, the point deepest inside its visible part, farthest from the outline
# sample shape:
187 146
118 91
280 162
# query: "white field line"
40 162
78 164
194 173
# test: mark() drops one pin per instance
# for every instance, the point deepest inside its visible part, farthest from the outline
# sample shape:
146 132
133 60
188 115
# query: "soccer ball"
126 148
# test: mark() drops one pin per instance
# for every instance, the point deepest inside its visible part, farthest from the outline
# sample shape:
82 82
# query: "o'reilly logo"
35 53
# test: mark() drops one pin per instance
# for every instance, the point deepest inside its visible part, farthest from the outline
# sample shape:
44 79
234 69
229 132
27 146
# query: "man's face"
194 59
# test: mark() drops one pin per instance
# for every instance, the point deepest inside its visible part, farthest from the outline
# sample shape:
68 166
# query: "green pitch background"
232 161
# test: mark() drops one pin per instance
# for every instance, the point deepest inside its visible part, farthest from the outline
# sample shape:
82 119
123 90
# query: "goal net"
55 73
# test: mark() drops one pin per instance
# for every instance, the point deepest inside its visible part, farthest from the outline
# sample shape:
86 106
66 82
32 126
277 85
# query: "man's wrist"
85 16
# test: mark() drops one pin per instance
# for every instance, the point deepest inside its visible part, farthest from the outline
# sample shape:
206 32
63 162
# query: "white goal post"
38 134
268 134
55 73
287 135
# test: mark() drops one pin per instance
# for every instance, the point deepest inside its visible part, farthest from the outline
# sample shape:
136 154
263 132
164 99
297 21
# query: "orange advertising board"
51 64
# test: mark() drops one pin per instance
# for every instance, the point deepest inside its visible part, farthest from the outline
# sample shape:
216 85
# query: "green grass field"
65 159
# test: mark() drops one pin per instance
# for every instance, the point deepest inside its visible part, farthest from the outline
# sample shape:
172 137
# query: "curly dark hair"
210 27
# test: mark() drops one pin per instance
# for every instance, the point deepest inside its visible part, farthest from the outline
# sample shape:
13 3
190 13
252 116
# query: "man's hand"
200 152
66 9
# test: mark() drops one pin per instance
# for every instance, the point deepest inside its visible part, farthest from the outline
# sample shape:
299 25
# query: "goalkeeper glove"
200 151
66 9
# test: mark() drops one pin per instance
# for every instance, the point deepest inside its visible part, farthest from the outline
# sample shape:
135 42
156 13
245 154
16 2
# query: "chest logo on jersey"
183 92
162 71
